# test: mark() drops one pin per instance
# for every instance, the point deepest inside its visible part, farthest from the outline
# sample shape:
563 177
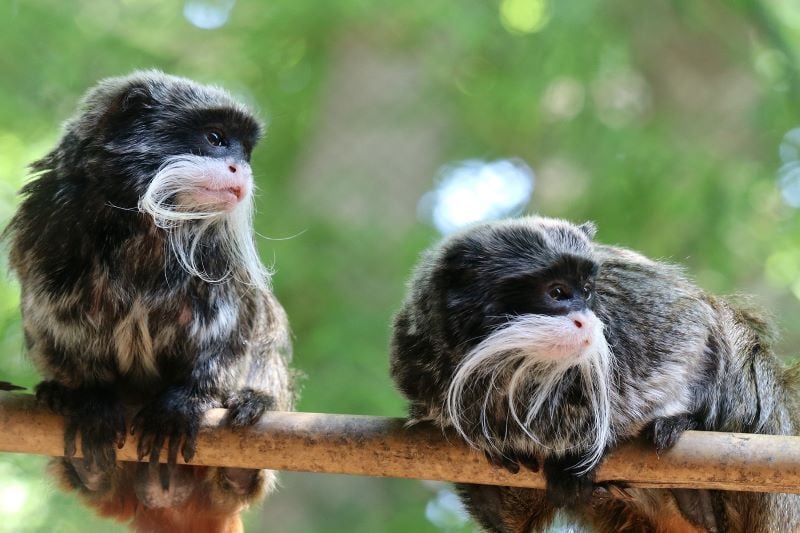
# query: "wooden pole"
375 446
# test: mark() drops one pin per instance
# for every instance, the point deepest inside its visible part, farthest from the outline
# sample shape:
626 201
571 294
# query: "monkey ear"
120 108
589 229
136 97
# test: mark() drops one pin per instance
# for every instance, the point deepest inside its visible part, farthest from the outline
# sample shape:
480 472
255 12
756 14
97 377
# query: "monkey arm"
173 418
263 381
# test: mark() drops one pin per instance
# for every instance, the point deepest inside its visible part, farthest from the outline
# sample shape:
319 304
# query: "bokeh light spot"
445 511
789 149
524 16
782 268
13 497
789 173
208 14
473 191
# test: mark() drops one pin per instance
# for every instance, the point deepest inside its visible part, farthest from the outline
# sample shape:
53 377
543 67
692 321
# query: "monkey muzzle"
220 185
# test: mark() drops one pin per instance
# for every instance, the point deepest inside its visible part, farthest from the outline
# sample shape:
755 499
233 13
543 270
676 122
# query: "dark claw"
95 414
510 465
55 396
190 443
155 450
174 446
665 432
511 461
70 435
171 422
247 406
529 462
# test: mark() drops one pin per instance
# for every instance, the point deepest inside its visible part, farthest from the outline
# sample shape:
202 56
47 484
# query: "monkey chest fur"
104 332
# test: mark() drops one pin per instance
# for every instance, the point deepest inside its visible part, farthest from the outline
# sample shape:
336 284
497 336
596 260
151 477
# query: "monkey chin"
526 370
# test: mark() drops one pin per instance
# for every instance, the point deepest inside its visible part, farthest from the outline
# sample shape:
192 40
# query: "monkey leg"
237 488
108 491
507 509
150 490
214 502
645 511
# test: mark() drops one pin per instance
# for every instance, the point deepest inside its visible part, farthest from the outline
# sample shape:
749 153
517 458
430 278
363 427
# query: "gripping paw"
55 396
173 420
664 432
93 413
565 488
511 461
245 407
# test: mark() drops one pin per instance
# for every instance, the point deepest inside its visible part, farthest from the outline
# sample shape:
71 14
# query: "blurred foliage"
662 123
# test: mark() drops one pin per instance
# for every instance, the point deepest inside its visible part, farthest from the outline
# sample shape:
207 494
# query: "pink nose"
236 190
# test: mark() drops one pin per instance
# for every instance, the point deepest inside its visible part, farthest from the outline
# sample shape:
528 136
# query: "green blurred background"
668 122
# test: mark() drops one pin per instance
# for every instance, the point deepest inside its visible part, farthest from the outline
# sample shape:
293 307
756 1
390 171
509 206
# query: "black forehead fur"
526 246
170 99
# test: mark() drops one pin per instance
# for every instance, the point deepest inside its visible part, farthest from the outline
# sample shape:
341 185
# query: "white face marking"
192 195
543 348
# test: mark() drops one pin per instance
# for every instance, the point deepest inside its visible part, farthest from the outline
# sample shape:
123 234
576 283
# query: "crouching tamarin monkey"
142 286
545 349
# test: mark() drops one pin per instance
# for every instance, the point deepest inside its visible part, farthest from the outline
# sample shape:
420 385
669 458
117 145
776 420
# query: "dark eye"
215 138
587 291
558 292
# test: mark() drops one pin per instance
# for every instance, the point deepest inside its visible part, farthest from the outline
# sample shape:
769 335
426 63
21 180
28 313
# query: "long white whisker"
544 350
191 230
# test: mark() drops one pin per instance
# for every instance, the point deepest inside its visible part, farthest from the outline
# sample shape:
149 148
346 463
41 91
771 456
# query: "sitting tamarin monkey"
542 348
141 286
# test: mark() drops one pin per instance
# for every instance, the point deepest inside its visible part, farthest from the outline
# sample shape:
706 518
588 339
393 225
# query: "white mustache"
544 348
187 227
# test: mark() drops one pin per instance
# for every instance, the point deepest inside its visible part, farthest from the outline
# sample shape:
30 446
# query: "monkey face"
134 127
488 276
180 153
528 350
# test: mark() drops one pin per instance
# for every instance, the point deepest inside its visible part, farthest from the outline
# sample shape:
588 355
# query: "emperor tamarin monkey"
540 347
142 286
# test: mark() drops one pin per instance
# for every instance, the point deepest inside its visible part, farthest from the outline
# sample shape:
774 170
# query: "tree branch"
375 446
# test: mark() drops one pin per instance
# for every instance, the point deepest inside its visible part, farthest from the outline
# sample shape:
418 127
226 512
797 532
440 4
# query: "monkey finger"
164 475
529 462
174 446
155 451
493 459
190 443
511 465
144 446
136 423
120 436
70 435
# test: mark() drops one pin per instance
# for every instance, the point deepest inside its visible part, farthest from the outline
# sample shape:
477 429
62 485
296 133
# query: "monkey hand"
245 407
94 413
511 461
565 487
172 420
664 432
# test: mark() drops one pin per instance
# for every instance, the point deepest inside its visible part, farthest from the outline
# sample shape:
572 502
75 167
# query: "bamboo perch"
375 446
